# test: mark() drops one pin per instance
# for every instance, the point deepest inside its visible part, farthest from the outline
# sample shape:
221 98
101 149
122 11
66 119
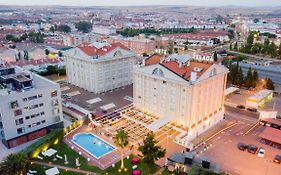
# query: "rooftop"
184 70
99 49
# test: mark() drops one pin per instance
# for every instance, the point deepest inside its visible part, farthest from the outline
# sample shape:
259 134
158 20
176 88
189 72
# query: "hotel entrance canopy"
271 134
159 123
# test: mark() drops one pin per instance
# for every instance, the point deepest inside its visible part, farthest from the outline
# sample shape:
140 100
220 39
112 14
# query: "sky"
143 2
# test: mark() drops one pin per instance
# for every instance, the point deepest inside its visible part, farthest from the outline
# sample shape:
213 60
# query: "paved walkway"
65 168
159 172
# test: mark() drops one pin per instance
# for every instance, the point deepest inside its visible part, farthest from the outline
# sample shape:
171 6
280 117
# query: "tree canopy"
83 26
150 150
14 164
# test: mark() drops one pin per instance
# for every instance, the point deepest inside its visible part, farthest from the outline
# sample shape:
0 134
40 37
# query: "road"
255 56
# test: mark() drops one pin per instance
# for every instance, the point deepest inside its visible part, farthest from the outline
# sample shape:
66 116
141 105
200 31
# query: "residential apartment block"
30 106
100 67
188 93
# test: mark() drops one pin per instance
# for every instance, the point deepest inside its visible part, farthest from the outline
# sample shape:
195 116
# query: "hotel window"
43 121
32 98
27 117
17 112
40 95
20 130
19 121
14 104
24 99
41 104
1 125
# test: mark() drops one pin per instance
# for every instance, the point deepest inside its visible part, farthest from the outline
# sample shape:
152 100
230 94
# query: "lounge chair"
39 157
32 171
59 157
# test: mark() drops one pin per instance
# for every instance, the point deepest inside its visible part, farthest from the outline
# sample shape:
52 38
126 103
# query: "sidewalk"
64 168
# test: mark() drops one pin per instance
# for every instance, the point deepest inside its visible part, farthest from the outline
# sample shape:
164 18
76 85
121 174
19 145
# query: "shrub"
44 143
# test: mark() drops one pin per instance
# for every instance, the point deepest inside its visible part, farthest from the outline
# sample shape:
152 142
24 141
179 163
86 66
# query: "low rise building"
188 93
30 106
99 67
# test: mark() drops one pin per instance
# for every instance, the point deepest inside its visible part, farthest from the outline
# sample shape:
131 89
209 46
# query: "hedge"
44 143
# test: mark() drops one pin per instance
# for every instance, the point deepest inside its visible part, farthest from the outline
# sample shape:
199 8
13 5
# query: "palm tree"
14 164
121 140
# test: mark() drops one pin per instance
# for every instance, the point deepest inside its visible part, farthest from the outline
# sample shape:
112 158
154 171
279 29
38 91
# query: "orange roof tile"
153 59
185 71
92 50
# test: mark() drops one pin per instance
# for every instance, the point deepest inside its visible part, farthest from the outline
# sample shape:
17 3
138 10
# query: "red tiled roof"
185 71
271 134
92 50
153 59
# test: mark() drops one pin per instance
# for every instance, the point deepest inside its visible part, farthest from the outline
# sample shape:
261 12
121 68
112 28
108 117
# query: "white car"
261 152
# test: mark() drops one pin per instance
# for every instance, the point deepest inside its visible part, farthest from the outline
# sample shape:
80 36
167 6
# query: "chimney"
180 64
193 76
143 62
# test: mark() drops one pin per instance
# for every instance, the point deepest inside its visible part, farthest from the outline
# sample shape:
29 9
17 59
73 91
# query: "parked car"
241 106
242 146
237 92
277 159
252 109
261 152
252 149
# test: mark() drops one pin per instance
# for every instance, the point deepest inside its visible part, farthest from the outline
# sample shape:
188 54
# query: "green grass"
62 149
146 169
41 170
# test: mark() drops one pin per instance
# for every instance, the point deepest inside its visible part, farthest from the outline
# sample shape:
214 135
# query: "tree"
235 46
249 78
121 140
215 55
151 152
255 79
170 47
230 46
239 77
15 164
52 29
268 84
64 28
256 20
83 26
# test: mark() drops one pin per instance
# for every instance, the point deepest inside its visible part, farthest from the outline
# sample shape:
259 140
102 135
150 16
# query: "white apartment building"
182 91
100 67
29 106
103 30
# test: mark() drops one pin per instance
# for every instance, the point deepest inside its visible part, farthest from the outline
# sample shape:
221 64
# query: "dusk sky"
143 2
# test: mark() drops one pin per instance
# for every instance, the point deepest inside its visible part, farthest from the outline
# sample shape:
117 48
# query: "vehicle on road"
252 149
277 159
261 152
241 106
242 146
252 109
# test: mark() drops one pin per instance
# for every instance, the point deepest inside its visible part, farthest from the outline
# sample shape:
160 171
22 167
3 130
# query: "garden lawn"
62 149
41 170
146 169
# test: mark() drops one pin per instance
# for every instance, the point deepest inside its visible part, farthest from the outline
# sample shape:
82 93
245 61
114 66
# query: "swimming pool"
92 144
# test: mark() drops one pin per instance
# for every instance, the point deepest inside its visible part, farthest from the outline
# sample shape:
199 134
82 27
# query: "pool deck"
106 160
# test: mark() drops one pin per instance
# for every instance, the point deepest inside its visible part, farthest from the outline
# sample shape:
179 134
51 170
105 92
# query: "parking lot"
224 150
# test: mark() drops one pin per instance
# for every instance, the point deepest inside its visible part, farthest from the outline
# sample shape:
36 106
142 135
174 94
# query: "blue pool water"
92 144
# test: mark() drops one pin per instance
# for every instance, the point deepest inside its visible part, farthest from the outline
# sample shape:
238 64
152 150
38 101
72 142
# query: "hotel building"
30 106
100 67
188 93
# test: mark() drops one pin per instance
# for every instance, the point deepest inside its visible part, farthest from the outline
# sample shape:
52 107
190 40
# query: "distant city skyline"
143 2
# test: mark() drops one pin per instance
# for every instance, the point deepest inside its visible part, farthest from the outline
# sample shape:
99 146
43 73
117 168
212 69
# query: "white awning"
94 100
52 171
159 123
49 152
108 106
230 90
